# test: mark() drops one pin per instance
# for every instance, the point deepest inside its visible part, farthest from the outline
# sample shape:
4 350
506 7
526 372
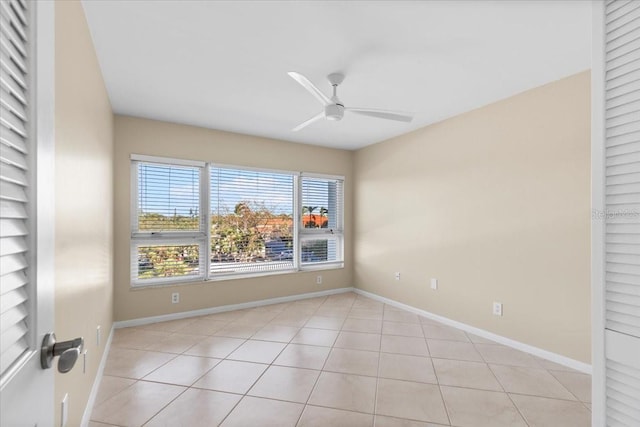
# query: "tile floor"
341 360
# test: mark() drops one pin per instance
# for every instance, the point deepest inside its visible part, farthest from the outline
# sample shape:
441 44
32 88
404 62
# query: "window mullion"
205 216
297 219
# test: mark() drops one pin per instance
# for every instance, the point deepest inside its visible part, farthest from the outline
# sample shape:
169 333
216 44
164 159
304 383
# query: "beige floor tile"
316 416
577 383
358 341
552 366
219 347
466 374
203 326
479 340
362 325
480 408
128 363
457 350
368 304
311 336
532 381
363 313
229 316
136 338
502 355
176 343
196 408
404 345
404 367
323 322
278 333
183 370
136 404
444 333
254 411
303 356
231 376
382 421
338 312
426 321
543 412
97 424
297 320
416 401
110 386
279 307
342 391
402 329
257 318
400 316
238 330
285 383
258 351
170 325
356 362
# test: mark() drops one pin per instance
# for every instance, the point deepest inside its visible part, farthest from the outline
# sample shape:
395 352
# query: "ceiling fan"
334 108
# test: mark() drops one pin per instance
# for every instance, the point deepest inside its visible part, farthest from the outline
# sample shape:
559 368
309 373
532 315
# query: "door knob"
68 351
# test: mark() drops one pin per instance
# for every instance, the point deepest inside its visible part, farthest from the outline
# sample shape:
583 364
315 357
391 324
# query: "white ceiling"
223 65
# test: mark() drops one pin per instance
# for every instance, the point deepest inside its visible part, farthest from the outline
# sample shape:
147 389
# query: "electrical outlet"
98 335
397 275
319 279
497 309
64 410
175 298
434 283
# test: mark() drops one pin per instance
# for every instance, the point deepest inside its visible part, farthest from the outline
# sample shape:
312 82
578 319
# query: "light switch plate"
434 283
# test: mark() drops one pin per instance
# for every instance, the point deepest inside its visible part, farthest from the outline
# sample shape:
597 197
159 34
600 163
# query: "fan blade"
308 122
313 90
381 114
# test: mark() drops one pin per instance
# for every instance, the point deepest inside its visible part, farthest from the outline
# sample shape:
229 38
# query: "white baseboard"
544 354
223 308
96 382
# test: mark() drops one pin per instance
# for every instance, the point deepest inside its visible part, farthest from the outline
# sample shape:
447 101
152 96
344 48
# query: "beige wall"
493 203
141 136
83 202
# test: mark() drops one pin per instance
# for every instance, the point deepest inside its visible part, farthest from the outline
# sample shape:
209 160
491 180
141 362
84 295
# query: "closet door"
620 218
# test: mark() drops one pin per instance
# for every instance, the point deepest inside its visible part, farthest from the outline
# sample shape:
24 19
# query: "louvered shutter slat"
622 222
14 181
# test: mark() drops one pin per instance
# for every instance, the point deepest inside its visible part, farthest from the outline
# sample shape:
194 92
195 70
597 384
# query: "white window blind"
251 221
15 226
321 220
622 198
169 232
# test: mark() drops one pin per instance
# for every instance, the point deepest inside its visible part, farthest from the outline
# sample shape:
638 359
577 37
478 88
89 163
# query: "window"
251 221
197 221
321 226
168 235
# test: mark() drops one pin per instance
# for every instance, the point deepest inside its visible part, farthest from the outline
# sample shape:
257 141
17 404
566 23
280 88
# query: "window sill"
221 278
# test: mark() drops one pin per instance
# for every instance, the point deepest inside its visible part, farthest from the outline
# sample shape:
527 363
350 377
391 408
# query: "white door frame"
28 396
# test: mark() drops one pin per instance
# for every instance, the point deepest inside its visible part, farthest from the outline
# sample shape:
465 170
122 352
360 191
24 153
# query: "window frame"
320 233
203 236
168 238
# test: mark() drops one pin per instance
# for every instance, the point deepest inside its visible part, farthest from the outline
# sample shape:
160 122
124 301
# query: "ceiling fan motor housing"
334 111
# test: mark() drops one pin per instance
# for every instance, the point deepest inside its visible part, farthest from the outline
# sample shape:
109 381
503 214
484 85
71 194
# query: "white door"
26 206
616 216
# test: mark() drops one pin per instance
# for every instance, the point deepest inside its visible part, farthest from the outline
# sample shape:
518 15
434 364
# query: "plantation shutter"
14 195
622 201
